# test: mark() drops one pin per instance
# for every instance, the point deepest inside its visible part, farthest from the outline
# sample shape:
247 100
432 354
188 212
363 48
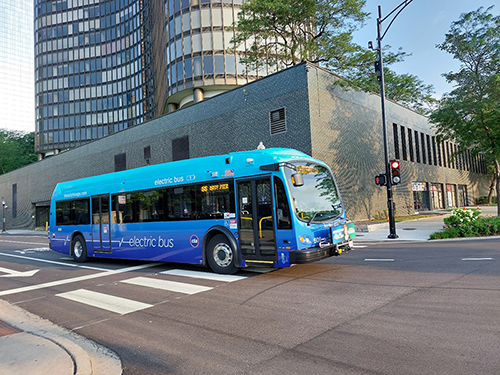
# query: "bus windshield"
318 199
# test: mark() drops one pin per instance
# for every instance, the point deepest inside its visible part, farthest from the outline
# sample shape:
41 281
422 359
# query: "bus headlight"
305 240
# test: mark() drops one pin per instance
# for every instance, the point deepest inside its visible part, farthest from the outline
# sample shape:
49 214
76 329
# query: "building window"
120 162
147 153
277 121
410 145
403 142
422 139
434 153
445 159
429 149
396 141
180 148
448 154
417 147
14 201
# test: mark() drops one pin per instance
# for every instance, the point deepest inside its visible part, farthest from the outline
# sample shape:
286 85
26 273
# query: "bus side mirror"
297 179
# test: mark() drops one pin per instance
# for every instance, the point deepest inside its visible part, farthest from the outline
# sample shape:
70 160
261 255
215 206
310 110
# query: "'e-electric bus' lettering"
150 242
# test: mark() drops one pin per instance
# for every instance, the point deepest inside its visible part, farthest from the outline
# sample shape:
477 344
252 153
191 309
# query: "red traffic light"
395 164
395 176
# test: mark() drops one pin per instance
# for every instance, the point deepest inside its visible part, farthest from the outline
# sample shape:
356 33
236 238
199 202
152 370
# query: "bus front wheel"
79 249
221 255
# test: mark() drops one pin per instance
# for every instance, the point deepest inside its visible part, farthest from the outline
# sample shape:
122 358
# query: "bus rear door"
101 240
256 222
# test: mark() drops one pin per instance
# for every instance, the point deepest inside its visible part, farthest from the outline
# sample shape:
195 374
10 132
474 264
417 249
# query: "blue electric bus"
271 207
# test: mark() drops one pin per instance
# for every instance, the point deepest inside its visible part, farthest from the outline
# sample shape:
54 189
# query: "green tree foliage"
290 31
470 114
282 33
17 149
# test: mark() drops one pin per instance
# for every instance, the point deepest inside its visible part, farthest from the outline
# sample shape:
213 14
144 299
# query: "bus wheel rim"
223 255
78 250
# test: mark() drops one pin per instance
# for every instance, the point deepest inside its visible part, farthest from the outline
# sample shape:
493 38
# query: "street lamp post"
380 36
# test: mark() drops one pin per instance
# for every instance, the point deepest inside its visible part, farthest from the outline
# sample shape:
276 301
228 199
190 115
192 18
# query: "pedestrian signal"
381 180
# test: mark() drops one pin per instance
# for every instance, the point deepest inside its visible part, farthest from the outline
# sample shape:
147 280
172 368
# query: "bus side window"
283 220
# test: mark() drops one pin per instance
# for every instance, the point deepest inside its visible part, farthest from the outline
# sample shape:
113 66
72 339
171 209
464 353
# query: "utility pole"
388 177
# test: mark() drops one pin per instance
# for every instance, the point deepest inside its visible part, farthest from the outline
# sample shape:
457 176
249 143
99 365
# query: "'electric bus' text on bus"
271 207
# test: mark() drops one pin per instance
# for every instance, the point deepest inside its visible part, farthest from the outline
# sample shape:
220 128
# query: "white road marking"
477 258
358 246
75 279
204 275
105 301
14 273
23 242
171 286
379 260
54 262
29 251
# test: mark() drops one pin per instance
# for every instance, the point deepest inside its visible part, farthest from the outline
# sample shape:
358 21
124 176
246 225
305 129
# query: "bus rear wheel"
79 249
221 255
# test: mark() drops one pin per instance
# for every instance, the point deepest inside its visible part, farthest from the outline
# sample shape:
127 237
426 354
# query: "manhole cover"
409 228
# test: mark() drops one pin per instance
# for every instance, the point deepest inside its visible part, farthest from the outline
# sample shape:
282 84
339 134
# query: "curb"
87 356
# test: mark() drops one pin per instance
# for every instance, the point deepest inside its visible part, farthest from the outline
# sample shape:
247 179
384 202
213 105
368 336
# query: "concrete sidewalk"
412 230
30 345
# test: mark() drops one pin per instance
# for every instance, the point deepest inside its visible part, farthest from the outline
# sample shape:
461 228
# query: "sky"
419 27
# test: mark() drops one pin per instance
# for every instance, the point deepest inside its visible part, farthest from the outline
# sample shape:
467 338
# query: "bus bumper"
314 254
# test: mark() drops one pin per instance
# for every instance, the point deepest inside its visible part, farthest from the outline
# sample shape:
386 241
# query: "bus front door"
101 240
256 222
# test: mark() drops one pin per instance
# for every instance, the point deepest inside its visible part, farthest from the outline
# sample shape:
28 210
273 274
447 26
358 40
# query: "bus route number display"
306 169
215 187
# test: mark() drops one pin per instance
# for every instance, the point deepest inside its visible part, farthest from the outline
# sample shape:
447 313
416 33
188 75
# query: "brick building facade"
299 108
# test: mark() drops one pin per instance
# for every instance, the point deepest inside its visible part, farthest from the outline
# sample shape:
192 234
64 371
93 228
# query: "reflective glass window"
195 19
207 41
208 65
219 64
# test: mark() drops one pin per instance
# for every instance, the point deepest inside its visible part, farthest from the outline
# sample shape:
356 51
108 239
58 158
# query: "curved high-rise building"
100 68
201 61
105 65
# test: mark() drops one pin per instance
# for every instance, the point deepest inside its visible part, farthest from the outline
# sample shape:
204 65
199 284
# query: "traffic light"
381 180
395 175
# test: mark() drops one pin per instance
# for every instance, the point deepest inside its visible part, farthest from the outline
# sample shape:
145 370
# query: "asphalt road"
417 308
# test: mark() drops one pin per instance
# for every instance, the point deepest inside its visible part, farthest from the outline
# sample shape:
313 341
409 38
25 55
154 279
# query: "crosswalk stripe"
171 286
105 301
204 275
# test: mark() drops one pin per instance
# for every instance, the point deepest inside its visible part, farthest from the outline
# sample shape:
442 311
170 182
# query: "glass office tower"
17 100
201 61
100 68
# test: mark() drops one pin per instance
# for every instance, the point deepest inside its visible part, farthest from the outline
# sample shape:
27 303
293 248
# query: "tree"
470 114
17 149
282 33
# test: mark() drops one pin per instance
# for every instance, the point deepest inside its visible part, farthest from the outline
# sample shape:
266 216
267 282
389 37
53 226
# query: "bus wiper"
312 218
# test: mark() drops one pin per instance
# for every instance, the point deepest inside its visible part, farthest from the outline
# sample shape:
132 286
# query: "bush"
483 199
467 223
